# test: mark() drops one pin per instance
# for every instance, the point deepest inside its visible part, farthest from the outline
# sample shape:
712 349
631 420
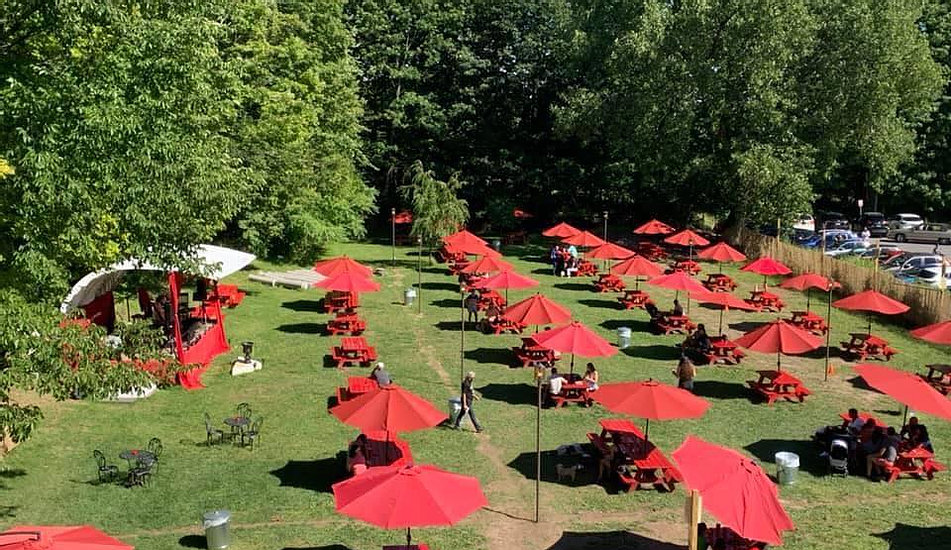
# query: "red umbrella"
349 281
939 333
463 238
403 217
561 231
610 251
650 400
395 497
520 214
906 388
471 248
537 310
576 339
871 301
807 282
46 537
488 264
735 490
687 237
781 338
585 238
679 281
721 252
654 227
637 266
335 266
766 266
506 280
723 299
389 408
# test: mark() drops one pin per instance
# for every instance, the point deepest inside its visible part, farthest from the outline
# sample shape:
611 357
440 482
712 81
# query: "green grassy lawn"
279 493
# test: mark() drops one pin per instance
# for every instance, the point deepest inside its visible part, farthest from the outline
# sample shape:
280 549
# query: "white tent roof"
220 261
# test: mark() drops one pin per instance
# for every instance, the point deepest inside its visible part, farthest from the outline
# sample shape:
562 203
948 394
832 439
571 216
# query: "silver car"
914 263
905 221
939 233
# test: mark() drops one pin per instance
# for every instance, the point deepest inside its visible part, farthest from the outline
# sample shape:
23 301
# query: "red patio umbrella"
488 264
335 266
721 252
389 408
687 237
781 338
506 280
766 266
906 388
938 333
679 281
403 217
537 310
584 239
463 237
654 227
807 282
576 339
520 214
49 537
561 231
637 266
723 299
871 301
610 251
472 249
394 497
349 281
735 490
650 400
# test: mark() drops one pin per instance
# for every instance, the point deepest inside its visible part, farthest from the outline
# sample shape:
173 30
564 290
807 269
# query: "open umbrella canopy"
537 310
403 217
687 237
472 249
584 239
638 266
806 281
390 408
906 388
488 264
561 231
766 266
335 266
779 337
679 281
654 227
507 279
577 339
47 537
349 281
396 497
871 301
734 489
938 333
610 251
463 238
651 400
721 252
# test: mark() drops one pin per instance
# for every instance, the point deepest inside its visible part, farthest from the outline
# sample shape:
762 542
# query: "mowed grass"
279 493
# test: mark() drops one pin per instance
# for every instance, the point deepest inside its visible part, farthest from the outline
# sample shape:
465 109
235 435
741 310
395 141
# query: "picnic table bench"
228 295
640 462
651 251
669 324
774 385
634 299
609 282
810 322
353 350
336 301
765 300
723 350
719 282
489 297
571 392
689 266
586 269
419 546
939 377
864 346
356 386
918 462
651 469
346 323
530 354
386 450
501 325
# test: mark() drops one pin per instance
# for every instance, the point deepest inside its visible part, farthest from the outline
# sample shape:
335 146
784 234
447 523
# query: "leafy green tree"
437 211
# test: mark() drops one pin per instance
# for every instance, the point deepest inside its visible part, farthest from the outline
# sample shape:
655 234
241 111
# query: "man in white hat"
468 396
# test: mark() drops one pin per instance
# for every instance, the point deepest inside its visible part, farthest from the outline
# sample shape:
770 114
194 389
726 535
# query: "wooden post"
693 513
393 233
462 343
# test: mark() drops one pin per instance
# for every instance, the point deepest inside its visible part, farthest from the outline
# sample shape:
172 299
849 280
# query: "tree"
437 211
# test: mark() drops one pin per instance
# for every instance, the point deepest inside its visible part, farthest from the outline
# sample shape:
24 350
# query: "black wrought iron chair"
212 433
155 447
107 472
254 433
141 475
244 409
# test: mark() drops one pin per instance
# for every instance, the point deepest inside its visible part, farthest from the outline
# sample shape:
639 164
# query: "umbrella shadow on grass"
327 547
314 475
616 540
659 352
859 383
746 326
302 328
490 356
809 460
601 304
193 541
636 325
513 394
912 537
454 326
574 286
524 464
447 302
714 389
441 286
306 306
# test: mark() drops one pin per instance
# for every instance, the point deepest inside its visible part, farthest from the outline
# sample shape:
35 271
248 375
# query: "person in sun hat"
468 396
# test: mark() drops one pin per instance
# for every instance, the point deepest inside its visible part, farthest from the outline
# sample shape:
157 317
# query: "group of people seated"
555 382
722 538
564 260
697 344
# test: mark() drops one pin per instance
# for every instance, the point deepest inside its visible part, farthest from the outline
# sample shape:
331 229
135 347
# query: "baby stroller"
839 457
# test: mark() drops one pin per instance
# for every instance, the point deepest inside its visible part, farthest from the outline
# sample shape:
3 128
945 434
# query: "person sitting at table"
356 455
571 266
472 306
555 382
915 434
492 316
867 431
678 310
685 373
160 311
652 311
884 456
701 339
591 377
380 375
573 252
854 422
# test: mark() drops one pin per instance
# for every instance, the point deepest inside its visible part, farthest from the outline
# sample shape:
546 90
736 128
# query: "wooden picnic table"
939 377
336 301
609 282
719 282
386 450
530 354
489 297
346 323
501 324
634 299
864 346
723 350
586 269
809 321
689 266
356 386
917 462
353 350
776 384
639 462
765 300
651 251
572 392
670 324
653 469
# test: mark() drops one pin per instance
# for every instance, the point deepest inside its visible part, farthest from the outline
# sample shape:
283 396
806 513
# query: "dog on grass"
567 472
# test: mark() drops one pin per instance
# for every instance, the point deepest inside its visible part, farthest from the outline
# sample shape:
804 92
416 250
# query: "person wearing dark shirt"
468 396
678 310
701 338
916 434
472 306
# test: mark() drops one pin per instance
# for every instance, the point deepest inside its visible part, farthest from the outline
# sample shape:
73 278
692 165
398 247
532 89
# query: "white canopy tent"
220 263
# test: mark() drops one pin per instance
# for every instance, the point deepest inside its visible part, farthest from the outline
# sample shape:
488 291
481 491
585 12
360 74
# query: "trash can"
409 296
497 245
623 337
215 524
787 464
455 407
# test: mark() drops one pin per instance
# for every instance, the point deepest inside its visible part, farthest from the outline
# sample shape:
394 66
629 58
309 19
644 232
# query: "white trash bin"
409 296
455 407
787 466
623 337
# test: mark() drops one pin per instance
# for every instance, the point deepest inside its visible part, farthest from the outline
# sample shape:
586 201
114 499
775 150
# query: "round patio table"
137 455
237 424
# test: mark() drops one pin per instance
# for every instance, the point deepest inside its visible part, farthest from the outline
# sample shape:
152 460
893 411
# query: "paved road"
918 248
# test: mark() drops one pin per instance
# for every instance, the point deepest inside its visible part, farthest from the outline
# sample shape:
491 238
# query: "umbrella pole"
393 226
462 341
779 361
828 332
904 416
721 320
870 324
419 276
572 367
538 442
409 537
647 429
808 295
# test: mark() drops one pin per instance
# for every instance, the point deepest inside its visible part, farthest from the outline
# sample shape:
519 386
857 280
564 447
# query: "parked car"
880 254
939 233
905 221
874 222
805 223
832 238
835 220
913 263
848 247
932 275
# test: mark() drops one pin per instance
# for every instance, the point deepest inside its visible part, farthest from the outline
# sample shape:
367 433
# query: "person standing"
685 373
472 306
468 396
